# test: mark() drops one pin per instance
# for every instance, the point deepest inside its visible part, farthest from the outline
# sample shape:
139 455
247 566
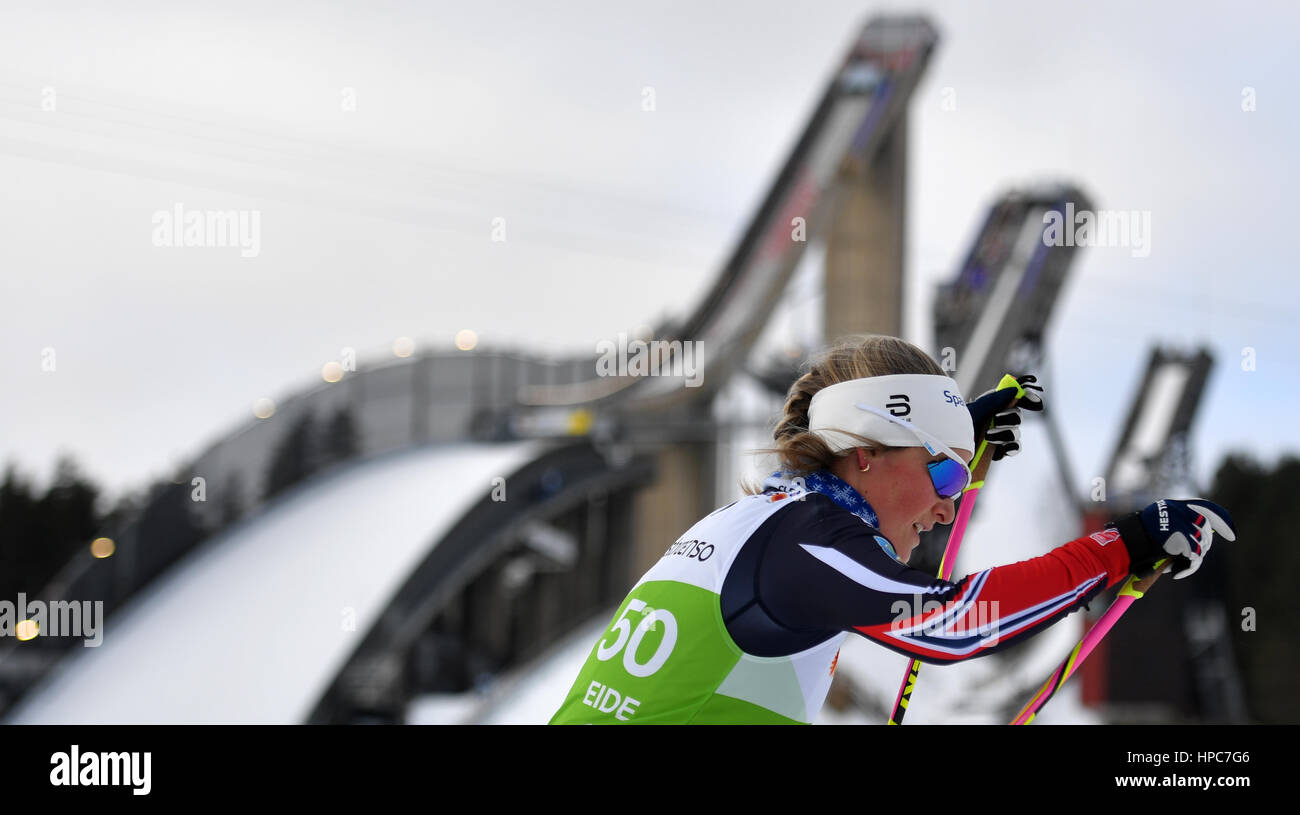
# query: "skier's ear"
864 457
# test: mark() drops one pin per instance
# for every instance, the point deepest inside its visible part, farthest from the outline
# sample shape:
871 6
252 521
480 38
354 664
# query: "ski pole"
1131 592
979 471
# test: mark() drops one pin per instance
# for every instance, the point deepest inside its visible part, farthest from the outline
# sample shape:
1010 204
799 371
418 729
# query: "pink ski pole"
1132 591
980 472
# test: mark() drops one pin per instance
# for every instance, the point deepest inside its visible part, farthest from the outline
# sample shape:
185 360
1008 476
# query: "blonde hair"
857 356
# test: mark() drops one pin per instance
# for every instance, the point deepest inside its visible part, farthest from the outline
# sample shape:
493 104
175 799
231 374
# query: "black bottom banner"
202 765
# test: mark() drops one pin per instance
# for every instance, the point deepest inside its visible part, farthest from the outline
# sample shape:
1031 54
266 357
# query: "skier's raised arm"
824 570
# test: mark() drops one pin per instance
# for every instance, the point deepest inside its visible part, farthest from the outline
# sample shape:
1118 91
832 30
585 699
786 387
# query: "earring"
864 469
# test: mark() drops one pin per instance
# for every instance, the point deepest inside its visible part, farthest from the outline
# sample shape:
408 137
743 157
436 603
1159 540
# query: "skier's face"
899 489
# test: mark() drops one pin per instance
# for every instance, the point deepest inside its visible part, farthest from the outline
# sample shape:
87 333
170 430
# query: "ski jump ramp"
237 635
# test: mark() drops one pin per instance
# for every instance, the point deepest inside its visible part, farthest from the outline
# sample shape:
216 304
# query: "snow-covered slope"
252 627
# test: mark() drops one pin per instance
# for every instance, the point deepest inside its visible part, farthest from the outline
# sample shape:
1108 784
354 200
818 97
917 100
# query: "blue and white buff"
834 488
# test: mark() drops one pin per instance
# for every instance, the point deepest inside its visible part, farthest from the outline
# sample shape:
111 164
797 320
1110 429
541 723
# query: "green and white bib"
667 658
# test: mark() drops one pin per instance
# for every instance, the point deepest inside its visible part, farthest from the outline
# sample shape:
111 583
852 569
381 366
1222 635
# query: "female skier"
742 618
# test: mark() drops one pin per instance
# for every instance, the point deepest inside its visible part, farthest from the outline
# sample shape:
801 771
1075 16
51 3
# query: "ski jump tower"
843 183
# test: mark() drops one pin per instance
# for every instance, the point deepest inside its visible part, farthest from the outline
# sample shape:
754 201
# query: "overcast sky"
376 221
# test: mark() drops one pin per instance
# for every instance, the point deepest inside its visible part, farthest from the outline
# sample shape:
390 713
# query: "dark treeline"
41 531
1260 564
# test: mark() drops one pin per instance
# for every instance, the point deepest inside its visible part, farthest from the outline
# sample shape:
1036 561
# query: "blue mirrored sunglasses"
950 476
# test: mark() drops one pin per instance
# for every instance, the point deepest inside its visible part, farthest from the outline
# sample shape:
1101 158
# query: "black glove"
1180 531
997 422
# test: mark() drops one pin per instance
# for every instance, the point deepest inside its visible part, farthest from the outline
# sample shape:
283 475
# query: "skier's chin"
905 544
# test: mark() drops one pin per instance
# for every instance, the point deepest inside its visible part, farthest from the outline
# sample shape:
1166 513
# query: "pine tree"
295 458
232 500
18 524
340 441
168 528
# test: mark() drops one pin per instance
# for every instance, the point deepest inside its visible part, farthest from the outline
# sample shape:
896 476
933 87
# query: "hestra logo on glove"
1182 530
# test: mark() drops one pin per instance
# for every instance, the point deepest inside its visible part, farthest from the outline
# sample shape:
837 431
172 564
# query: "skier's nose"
945 511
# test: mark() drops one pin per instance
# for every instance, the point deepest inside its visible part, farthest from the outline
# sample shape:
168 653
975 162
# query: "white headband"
931 404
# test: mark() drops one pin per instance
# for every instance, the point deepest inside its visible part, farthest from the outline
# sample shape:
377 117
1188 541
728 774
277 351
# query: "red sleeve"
993 609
